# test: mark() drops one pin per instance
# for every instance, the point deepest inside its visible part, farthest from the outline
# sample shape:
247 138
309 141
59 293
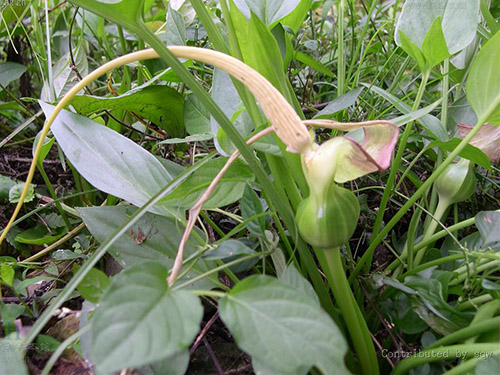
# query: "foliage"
108 223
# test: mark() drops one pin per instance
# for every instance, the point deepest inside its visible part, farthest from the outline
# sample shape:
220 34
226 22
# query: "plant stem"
437 354
441 208
340 48
399 155
331 262
368 255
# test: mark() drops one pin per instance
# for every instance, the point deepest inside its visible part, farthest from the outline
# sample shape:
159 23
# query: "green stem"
368 255
331 263
465 333
340 48
474 302
399 155
438 354
441 208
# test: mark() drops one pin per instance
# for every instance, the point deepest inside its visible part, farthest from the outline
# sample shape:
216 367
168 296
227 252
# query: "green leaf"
107 160
127 13
295 19
430 123
39 235
176 28
16 190
231 250
434 46
5 185
488 223
284 331
153 238
293 278
251 206
10 72
340 103
93 285
312 63
196 116
264 54
413 51
483 83
162 105
175 364
7 274
469 152
140 320
459 19
11 356
229 190
269 11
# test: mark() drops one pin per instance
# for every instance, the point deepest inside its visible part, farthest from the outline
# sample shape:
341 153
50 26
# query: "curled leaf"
487 139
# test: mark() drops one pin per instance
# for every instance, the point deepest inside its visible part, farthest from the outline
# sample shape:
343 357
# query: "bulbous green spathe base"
329 222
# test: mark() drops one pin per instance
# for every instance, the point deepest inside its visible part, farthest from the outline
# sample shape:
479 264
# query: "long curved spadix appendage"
194 212
283 118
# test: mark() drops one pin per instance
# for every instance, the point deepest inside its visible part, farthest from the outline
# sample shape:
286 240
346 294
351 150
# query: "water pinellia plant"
150 313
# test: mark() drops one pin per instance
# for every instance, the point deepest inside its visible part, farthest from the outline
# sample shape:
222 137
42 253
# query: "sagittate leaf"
229 190
268 11
10 71
161 105
483 84
153 238
459 19
284 330
127 13
106 159
140 320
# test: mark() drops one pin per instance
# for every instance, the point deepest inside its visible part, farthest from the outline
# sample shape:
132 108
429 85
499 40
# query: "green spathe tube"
329 220
457 183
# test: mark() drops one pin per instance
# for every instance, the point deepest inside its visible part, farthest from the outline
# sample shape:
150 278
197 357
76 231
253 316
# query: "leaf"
483 83
174 364
488 223
226 96
16 190
229 190
196 116
268 11
127 13
107 160
11 356
295 19
293 278
459 19
430 123
161 105
176 28
64 76
340 103
470 152
230 250
140 320
10 71
314 64
5 185
285 331
39 235
153 238
434 47
7 274
251 206
93 285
